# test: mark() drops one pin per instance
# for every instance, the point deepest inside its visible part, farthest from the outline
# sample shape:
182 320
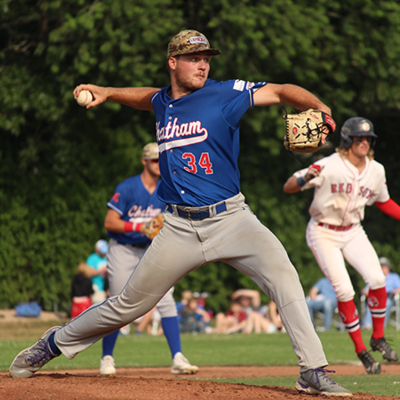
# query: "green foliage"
60 163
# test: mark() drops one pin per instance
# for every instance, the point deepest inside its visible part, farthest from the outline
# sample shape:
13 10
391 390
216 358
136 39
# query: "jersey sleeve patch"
115 198
239 85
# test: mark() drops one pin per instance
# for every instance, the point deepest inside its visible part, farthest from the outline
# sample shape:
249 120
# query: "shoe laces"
318 373
381 345
366 356
40 354
108 361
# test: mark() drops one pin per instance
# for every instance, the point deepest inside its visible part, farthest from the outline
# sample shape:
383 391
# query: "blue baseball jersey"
198 138
133 202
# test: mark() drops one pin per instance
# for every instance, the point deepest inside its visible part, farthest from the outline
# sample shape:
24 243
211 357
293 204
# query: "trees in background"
59 163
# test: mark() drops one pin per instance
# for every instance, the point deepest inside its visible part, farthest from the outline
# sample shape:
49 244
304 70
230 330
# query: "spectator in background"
82 288
261 319
185 297
322 298
193 319
201 299
149 322
249 299
235 319
97 260
392 283
274 318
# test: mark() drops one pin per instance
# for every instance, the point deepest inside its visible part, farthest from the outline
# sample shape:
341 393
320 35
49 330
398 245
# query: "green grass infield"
226 350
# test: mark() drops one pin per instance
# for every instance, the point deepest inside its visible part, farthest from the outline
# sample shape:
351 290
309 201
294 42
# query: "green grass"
234 350
388 385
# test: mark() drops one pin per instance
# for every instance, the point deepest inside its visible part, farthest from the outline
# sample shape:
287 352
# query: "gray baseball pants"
235 237
121 262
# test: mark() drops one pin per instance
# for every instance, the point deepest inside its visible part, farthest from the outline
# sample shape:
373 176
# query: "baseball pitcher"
206 219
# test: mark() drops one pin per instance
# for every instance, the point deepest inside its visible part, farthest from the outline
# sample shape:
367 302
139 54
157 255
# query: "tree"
59 163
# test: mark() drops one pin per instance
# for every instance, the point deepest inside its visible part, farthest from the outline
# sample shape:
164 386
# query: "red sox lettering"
348 188
365 192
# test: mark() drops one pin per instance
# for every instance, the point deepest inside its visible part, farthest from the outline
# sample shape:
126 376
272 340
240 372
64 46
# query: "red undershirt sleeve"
390 208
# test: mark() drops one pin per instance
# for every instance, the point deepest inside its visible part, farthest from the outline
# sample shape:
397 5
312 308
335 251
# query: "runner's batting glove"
313 171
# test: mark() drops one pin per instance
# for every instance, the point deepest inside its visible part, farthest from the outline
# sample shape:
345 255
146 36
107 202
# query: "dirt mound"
158 384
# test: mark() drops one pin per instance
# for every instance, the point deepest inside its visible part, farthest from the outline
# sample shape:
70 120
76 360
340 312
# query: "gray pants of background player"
235 237
121 262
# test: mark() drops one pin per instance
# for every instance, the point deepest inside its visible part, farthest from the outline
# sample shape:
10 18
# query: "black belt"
139 245
199 214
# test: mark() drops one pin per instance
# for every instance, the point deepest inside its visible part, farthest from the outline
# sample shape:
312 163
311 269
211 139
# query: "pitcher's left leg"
174 252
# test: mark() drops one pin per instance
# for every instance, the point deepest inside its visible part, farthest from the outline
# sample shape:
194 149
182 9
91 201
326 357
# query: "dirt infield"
159 384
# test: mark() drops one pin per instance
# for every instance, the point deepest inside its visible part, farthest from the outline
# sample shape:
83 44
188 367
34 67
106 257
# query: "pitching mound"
159 384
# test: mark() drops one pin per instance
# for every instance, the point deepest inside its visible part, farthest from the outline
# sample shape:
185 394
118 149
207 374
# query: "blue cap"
102 246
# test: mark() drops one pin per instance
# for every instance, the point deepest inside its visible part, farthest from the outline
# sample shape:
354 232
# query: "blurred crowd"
246 314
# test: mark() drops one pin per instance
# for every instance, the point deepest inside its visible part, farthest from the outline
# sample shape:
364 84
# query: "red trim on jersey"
390 208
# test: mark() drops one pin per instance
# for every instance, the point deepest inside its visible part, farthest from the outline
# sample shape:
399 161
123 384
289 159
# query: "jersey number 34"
204 162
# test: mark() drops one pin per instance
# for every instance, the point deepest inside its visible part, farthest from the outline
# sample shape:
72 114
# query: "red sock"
348 313
377 305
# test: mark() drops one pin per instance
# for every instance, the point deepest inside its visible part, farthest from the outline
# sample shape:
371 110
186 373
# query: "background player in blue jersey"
207 219
134 203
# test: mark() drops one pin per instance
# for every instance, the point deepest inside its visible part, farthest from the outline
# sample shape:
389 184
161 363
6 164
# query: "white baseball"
85 97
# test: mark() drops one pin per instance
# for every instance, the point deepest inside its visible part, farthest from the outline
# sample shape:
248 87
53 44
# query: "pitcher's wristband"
300 181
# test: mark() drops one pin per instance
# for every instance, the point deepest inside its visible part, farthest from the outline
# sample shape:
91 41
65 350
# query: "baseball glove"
152 227
304 130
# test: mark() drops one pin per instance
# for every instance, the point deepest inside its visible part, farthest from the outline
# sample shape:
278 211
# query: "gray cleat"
316 381
33 358
370 364
382 346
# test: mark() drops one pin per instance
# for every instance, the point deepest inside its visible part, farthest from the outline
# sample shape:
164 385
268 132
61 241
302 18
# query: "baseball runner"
206 218
133 205
345 183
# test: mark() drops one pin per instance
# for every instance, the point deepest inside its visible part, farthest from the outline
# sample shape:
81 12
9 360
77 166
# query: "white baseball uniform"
334 230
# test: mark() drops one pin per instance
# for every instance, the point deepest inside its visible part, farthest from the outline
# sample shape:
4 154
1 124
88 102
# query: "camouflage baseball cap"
150 151
190 41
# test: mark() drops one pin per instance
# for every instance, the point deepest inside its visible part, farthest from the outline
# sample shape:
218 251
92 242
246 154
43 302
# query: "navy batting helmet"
356 126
